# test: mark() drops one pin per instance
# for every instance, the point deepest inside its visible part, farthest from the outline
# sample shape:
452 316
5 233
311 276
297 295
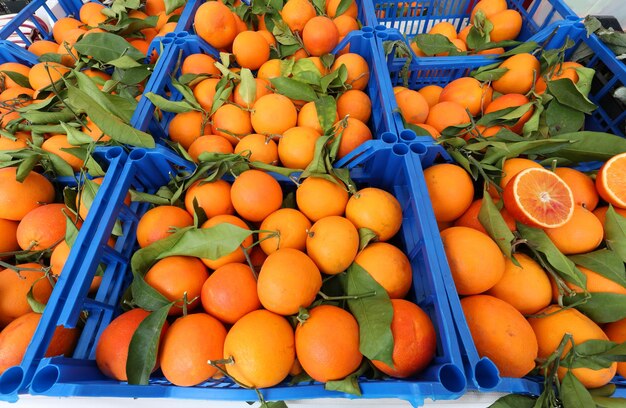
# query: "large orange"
209 144
444 28
161 222
332 243
273 114
16 68
616 332
296 147
353 134
237 255
284 228
377 210
358 70
318 198
320 36
509 101
470 218
62 26
450 189
251 50
213 197
43 74
413 106
91 14
215 24
523 69
445 114
506 25
475 260
595 283
199 64
582 233
582 186
8 239
14 289
296 13
327 343
204 92
186 127
231 122
307 117
468 92
431 93
510 168
18 199
610 181
260 148
600 213
389 266
354 103
489 7
43 227
255 195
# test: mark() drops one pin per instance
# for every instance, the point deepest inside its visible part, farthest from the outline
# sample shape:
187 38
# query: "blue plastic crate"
391 168
413 17
183 44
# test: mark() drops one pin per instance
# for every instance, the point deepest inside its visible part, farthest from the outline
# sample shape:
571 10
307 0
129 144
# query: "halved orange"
611 181
539 198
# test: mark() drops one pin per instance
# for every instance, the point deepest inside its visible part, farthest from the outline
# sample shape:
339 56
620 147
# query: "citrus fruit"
332 243
318 198
610 181
582 233
284 228
14 290
377 210
20 198
389 266
450 189
161 222
43 227
255 195
582 186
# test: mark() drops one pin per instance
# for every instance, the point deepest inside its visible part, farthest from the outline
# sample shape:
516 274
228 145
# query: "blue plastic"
379 165
181 44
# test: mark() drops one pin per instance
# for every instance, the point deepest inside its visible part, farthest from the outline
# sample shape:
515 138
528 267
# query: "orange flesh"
615 179
544 197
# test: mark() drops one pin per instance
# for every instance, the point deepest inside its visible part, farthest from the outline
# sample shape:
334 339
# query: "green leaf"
606 402
94 170
343 7
167 105
432 44
605 391
76 137
592 24
124 62
538 240
144 346
603 262
132 76
18 78
491 75
145 257
574 394
187 93
602 307
373 313
326 108
61 167
88 193
212 243
293 89
566 93
283 34
491 218
366 236
106 47
34 304
71 230
247 87
350 384
590 146
148 198
585 78
590 354
563 119
514 401
615 230
145 296
118 106
26 166
171 5
223 90
523 48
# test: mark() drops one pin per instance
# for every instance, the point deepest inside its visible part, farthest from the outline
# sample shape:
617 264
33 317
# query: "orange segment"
611 181
539 198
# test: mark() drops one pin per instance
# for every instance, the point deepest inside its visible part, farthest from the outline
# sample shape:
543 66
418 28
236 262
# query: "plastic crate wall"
146 170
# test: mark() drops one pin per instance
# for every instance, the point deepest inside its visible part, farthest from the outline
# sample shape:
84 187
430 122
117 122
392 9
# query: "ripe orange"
262 88
112 348
237 255
263 348
446 114
43 227
332 5
450 189
354 103
358 70
600 213
582 233
468 92
213 197
413 106
582 186
595 283
8 239
255 195
22 139
199 64
616 332
271 69
307 117
550 330
509 101
15 338
353 134
431 93
327 343
215 24
288 280
209 144
230 293
539 198
610 181
62 26
93 131
55 144
296 13
17 68
389 266
14 288
189 343
291 227
186 127
476 262
204 92
273 114
523 69
18 199
345 24
43 74
231 122
260 148
43 47
318 198
566 70
332 243
251 50
444 28
510 168
526 287
489 7
159 223
320 36
59 257
470 218
506 25
414 340
377 210
502 334
296 147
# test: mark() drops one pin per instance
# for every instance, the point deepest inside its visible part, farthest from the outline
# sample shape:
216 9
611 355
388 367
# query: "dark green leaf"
293 89
605 391
326 108
590 354
524 47
115 104
514 401
144 346
211 243
132 76
366 236
171 5
491 218
492 75
145 296
343 7
71 230
51 57
61 167
566 93
26 166
602 307
124 62
604 262
350 384
574 394
563 119
167 105
106 47
18 78
432 44
606 402
615 230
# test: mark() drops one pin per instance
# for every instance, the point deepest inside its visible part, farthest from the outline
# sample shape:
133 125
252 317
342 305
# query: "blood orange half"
539 198
611 181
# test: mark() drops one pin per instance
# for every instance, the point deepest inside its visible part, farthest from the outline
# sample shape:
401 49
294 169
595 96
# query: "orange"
345 25
582 186
506 25
14 288
353 134
318 198
251 50
320 36
296 147
610 181
230 293
450 189
43 227
354 103
525 287
429 130
523 69
231 122
476 262
213 197
444 28
446 114
18 199
502 334
470 218
215 24
464 33
271 69
459 44
539 198
327 343
255 195
204 92
17 68
377 210
42 47
93 131
288 280
291 229
43 74
237 255
307 117
112 347
566 70
600 213
209 144
186 127
332 5
62 26
358 70
550 330
616 332
487 131
174 276
262 88
296 13
260 148
57 262
510 168
200 64
582 233
16 337
154 7
414 340
8 239
55 144
595 283
431 93
273 114
22 139
263 349
489 7
389 266
413 106
509 101
332 243
468 92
